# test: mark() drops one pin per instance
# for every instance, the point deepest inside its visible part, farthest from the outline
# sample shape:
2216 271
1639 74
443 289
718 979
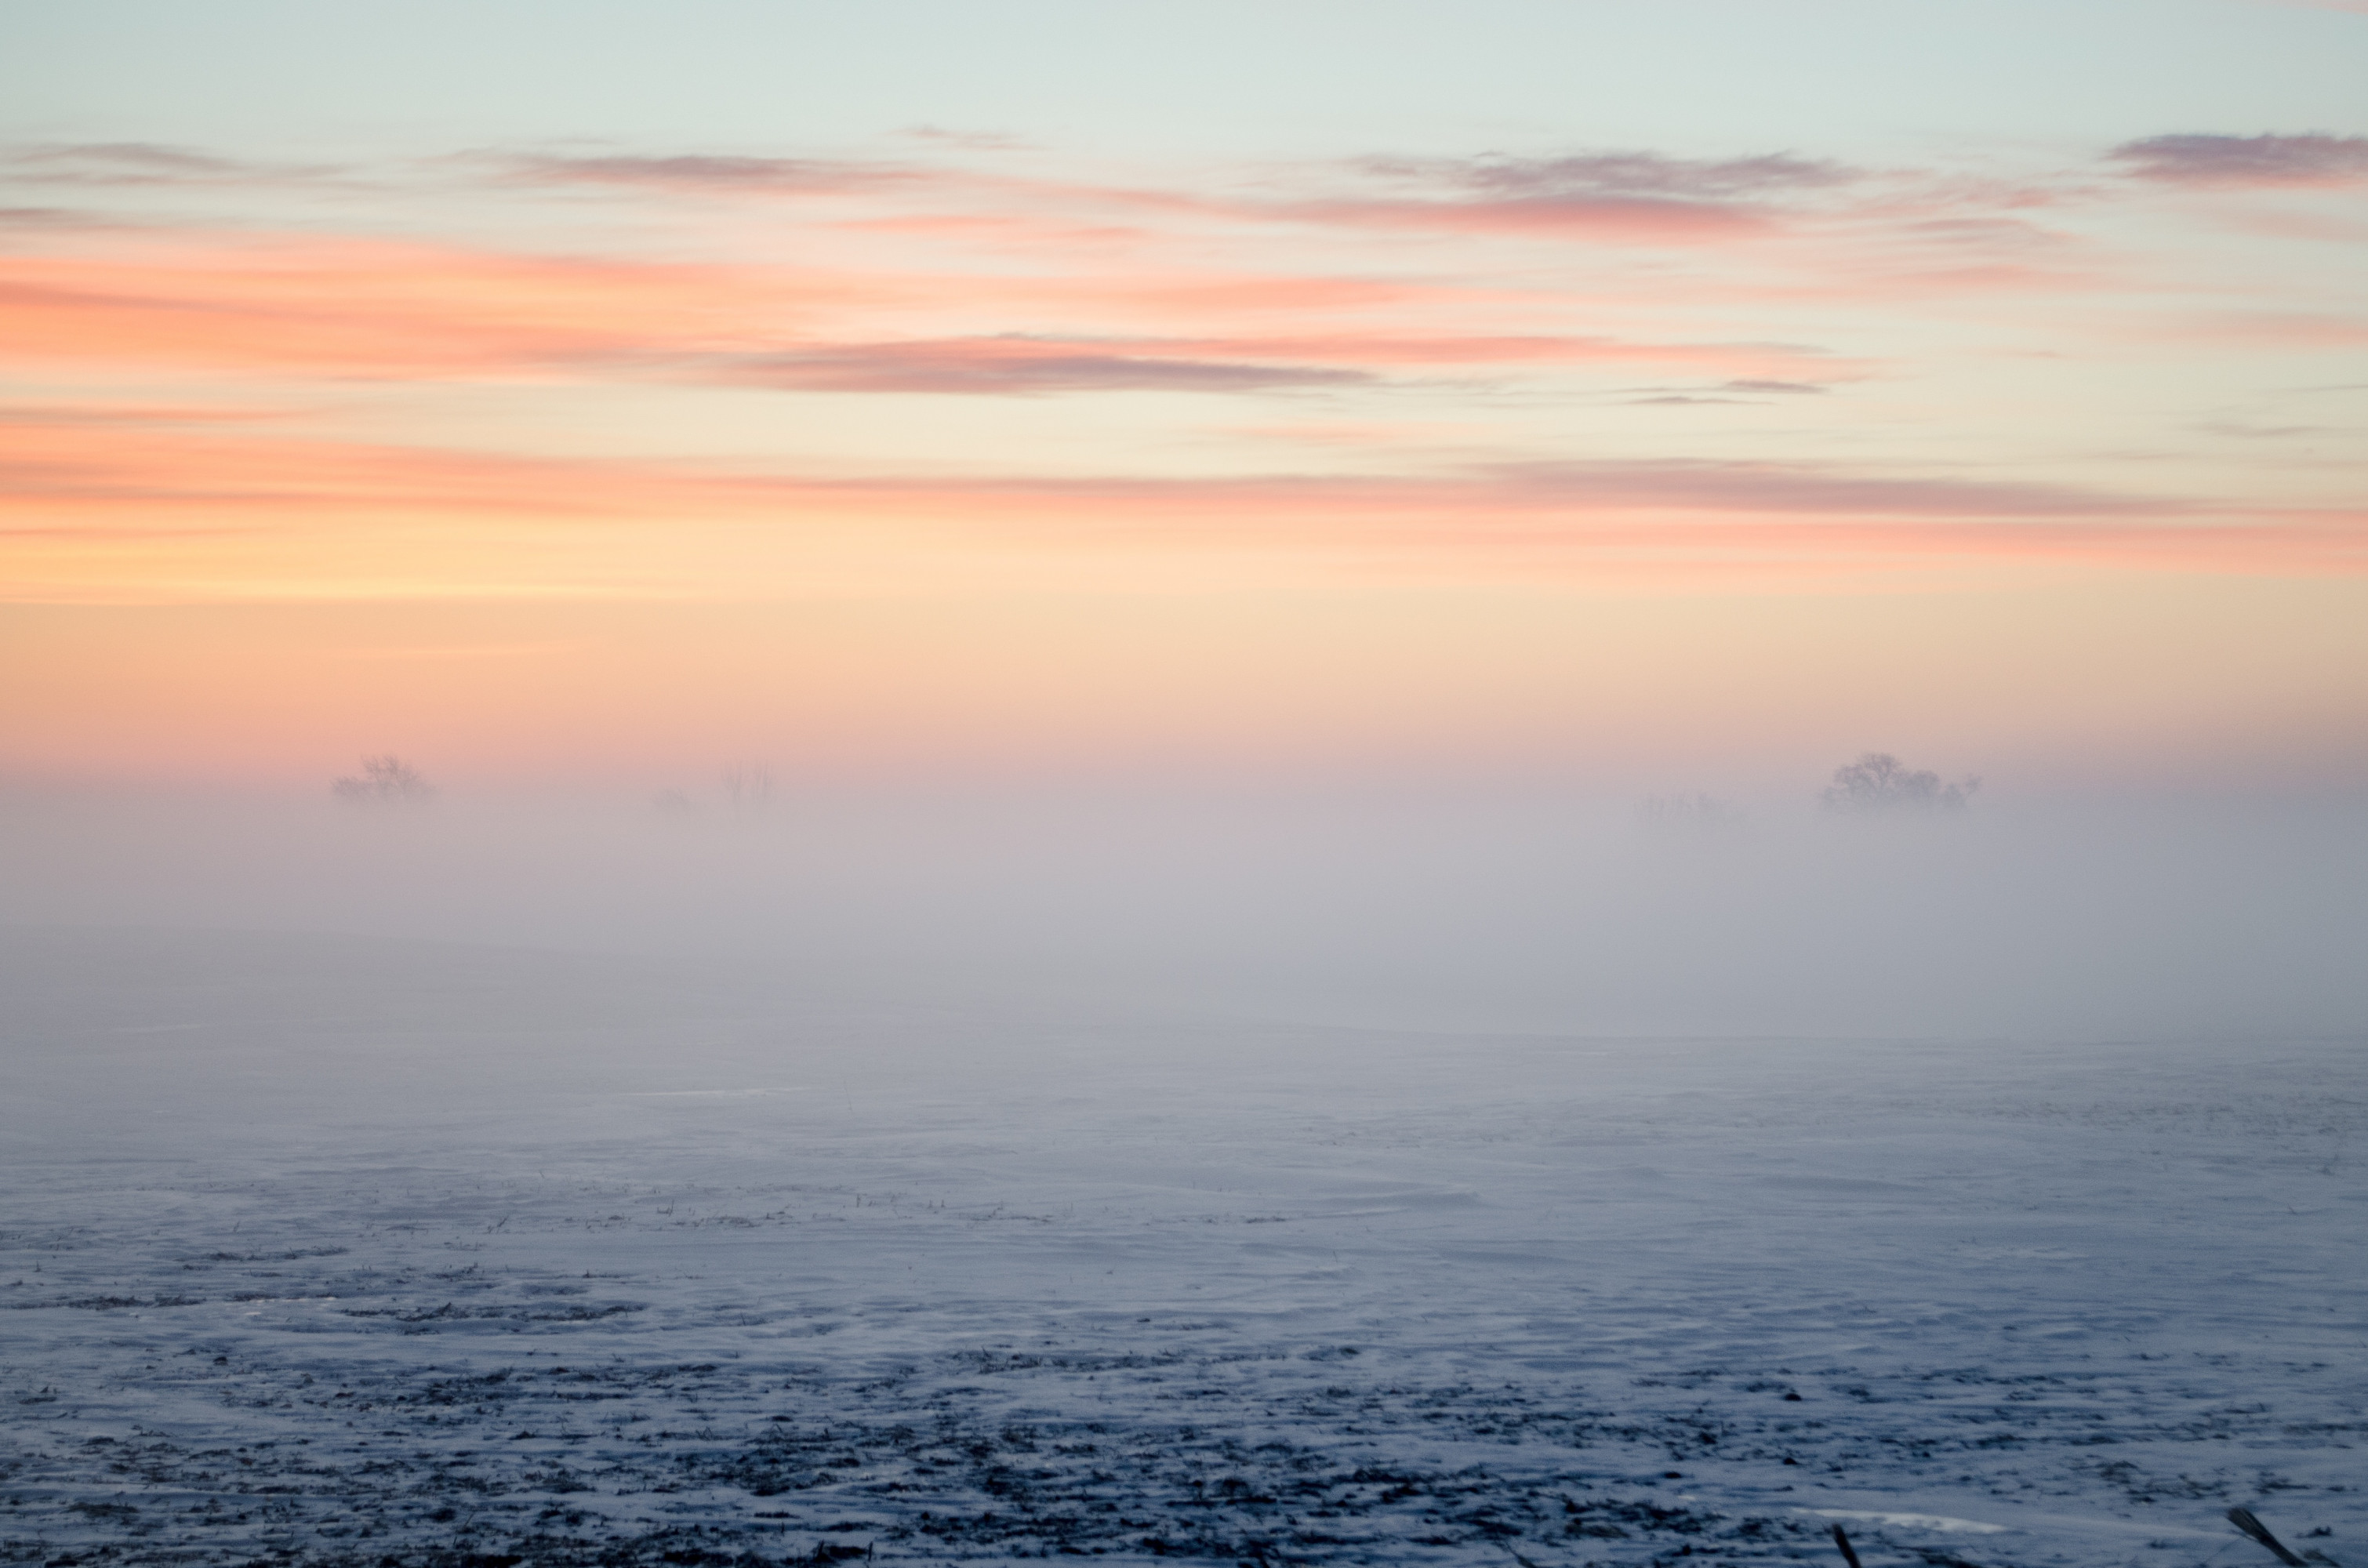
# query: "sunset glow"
1512 445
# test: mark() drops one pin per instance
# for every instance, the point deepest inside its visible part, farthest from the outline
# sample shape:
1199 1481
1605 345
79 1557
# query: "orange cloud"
356 307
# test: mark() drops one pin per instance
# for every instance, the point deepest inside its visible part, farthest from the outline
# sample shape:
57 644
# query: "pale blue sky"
1227 77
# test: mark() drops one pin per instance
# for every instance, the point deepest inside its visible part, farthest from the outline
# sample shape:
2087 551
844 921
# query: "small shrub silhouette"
383 778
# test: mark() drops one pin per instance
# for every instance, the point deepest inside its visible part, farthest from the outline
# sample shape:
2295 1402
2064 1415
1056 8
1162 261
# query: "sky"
1610 397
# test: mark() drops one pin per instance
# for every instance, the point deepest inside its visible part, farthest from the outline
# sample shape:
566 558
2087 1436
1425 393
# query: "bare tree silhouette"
385 779
1879 781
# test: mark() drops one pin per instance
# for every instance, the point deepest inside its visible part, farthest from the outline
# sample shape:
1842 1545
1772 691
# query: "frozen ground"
546 1259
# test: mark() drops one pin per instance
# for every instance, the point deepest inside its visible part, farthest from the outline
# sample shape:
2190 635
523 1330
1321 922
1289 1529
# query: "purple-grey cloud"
1799 488
704 172
1598 176
123 163
1680 485
2202 160
1642 196
1740 390
1009 367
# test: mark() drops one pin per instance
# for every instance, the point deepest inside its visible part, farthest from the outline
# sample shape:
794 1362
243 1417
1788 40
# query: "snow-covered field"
553 1259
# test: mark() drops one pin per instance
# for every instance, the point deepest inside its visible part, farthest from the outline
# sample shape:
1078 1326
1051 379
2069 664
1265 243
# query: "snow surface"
559 1260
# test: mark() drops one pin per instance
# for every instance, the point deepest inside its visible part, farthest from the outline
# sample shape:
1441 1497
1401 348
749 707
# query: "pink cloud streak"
375 310
86 482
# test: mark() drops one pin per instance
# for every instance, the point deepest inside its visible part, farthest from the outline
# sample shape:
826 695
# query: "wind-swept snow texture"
332 1252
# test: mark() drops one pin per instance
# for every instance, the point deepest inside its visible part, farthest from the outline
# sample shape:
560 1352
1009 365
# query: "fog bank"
2088 920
